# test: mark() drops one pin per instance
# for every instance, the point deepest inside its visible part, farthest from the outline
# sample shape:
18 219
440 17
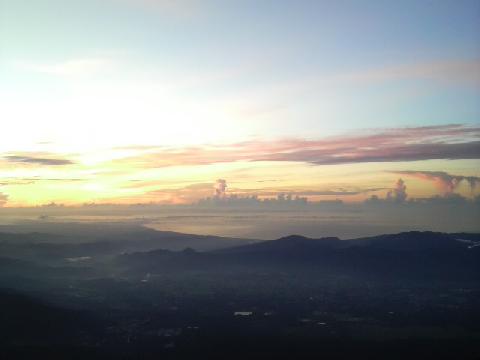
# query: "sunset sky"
132 101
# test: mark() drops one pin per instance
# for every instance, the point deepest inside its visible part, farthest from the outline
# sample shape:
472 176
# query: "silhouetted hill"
59 247
123 234
421 255
293 243
411 241
406 241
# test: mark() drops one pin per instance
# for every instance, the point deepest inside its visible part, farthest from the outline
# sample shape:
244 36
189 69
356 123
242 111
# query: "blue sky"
299 47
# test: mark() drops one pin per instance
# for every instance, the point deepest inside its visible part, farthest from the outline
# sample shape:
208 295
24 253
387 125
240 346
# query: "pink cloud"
390 145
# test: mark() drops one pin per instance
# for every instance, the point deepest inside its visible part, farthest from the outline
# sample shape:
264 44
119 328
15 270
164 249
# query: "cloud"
37 160
387 145
220 187
307 192
72 67
399 193
15 181
443 180
198 191
380 153
3 199
447 199
182 195
464 71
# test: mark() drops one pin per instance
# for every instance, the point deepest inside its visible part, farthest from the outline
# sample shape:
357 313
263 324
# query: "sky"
133 101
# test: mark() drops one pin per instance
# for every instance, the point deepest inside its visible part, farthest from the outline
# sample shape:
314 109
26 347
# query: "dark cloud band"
37 160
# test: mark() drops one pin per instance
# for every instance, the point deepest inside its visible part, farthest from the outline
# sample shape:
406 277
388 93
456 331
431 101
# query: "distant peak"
297 238
294 237
189 250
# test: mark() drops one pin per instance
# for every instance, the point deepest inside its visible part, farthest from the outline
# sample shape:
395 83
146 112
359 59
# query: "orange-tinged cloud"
3 199
443 180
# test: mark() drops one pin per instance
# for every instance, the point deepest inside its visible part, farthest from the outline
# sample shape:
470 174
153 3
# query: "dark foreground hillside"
409 295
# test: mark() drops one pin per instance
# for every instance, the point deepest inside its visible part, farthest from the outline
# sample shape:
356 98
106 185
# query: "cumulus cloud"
443 180
399 193
194 192
37 160
387 145
220 187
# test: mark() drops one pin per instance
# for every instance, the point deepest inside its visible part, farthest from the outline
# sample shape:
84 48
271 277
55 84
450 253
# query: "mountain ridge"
410 254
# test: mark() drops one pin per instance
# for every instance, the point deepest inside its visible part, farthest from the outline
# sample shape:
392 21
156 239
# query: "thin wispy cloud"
186 194
15 182
308 192
33 180
390 145
439 72
37 160
71 67
462 71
